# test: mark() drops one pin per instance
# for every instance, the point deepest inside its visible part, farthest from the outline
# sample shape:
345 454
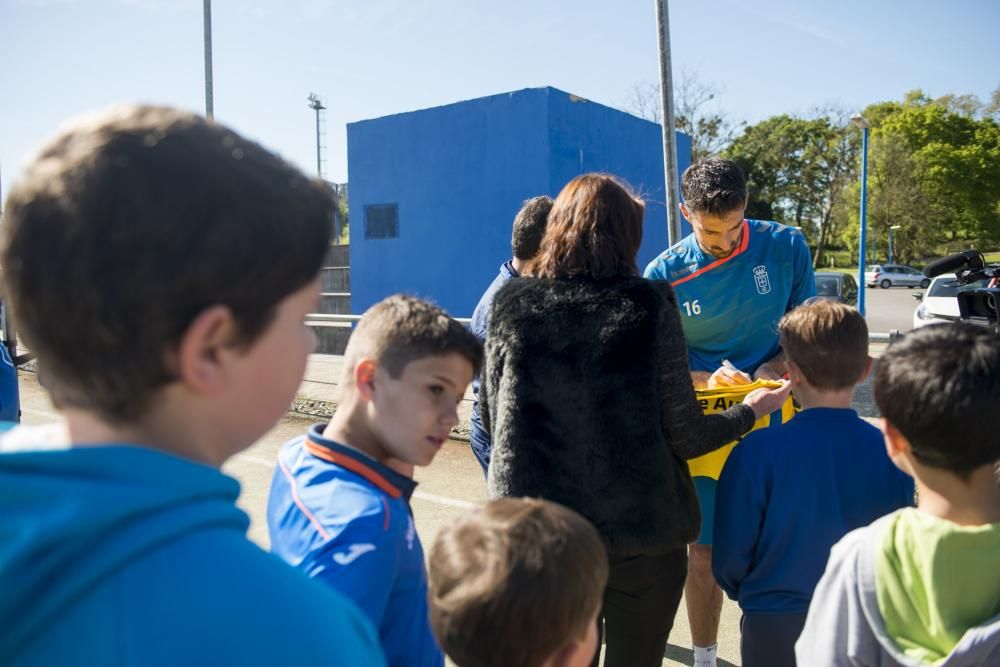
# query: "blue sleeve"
361 564
803 282
740 502
480 319
654 271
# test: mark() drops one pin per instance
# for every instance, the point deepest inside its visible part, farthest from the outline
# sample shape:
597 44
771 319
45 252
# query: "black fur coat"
587 394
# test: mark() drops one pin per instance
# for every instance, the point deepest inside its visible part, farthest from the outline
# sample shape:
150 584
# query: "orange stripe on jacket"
354 466
743 246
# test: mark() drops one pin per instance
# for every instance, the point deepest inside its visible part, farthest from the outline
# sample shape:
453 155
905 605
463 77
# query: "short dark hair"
513 582
400 329
828 341
130 223
940 387
714 186
529 227
594 231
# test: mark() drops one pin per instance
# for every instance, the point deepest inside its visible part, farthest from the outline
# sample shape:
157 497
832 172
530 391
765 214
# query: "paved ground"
454 482
890 308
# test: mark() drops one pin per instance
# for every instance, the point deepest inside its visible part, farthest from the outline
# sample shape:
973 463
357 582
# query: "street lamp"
859 121
891 228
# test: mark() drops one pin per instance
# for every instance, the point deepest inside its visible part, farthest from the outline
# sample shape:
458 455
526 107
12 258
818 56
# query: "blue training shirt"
343 518
730 307
787 495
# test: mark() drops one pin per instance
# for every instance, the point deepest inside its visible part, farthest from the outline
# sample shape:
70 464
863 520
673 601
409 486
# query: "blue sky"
370 58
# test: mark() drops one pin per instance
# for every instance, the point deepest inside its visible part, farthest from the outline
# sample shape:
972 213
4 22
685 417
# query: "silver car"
895 275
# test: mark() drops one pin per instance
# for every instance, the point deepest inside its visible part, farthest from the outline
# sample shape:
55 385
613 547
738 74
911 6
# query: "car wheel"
885 284
924 284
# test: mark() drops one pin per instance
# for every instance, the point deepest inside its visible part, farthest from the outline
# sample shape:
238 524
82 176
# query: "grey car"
895 275
837 286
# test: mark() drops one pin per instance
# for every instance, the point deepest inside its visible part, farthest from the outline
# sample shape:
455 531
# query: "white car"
939 302
893 275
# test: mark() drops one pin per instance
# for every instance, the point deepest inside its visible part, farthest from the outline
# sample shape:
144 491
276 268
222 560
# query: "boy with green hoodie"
921 586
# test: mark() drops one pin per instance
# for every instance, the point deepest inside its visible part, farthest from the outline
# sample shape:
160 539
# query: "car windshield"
826 285
950 287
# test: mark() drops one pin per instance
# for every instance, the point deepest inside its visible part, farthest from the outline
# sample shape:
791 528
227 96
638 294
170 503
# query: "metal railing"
347 319
318 318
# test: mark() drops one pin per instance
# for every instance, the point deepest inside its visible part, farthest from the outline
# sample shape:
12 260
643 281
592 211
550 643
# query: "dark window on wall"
382 221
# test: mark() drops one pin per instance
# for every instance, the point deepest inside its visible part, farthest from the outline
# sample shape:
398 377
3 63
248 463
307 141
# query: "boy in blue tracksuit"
791 493
160 267
339 504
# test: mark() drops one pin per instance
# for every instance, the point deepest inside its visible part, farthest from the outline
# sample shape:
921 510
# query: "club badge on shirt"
761 279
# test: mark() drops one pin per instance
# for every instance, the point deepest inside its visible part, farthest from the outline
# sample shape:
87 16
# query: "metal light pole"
891 228
209 102
317 105
669 136
859 121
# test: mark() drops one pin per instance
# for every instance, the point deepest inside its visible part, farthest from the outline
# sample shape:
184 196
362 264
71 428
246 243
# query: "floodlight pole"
316 104
209 102
669 134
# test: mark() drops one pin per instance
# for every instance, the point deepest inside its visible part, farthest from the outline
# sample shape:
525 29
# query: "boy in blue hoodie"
339 508
787 495
921 586
160 267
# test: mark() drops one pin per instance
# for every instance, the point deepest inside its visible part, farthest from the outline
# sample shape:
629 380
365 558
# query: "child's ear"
896 446
570 654
794 372
364 378
200 358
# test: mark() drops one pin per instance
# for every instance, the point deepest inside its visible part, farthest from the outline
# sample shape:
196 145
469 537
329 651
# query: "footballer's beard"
722 253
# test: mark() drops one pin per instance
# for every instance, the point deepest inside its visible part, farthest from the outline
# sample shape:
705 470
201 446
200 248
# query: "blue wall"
459 174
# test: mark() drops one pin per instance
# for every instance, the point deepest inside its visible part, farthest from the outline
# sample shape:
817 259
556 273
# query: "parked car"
837 286
940 302
895 275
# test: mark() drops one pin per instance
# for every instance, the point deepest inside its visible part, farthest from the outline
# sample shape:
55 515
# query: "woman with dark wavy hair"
587 394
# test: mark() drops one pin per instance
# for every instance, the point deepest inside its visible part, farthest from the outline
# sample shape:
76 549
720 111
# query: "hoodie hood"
937 588
69 518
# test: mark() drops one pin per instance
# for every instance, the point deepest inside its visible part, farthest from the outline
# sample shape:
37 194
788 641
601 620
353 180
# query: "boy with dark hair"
790 493
160 267
529 228
921 586
518 582
339 507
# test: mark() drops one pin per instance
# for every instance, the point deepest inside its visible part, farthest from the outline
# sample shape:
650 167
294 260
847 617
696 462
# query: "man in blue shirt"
529 228
734 279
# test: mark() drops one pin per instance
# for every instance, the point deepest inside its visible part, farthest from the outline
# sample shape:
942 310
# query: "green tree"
934 171
797 170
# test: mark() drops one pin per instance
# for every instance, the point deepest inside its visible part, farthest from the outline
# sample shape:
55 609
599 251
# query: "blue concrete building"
433 192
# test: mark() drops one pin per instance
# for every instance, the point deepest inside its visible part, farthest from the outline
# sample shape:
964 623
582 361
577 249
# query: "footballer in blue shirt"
734 279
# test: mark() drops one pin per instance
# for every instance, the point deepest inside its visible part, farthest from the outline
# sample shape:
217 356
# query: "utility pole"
209 102
669 135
